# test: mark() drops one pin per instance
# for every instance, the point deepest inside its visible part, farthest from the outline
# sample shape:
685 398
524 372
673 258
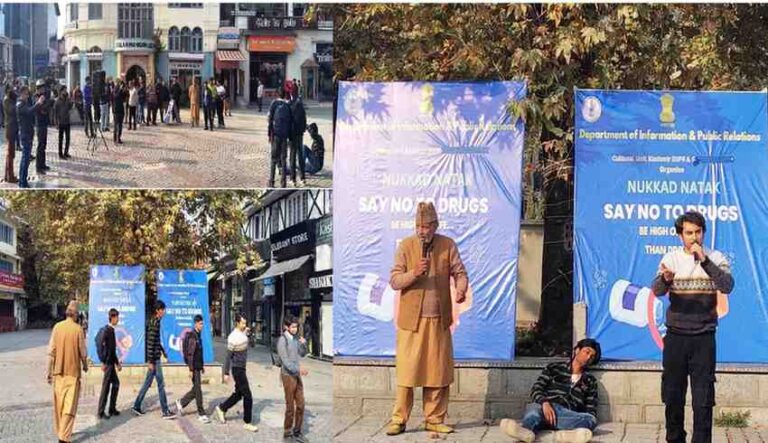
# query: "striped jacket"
554 386
154 347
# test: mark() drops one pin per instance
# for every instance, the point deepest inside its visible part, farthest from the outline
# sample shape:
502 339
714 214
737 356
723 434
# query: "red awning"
230 56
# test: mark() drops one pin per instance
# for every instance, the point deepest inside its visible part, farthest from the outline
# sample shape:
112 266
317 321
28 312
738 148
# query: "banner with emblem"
456 145
185 294
643 158
121 288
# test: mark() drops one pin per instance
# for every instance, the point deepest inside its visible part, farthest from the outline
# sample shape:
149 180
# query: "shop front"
13 302
185 68
227 62
268 59
135 59
321 289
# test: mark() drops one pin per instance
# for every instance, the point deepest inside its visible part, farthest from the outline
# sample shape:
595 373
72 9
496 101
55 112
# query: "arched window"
173 39
197 40
185 39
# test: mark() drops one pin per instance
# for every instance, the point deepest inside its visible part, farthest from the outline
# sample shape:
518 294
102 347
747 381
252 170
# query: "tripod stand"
93 140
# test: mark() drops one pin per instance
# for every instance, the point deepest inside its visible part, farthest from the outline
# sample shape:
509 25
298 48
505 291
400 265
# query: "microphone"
696 258
424 248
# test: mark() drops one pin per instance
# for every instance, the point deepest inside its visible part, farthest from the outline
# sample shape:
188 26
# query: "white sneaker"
289 184
250 428
516 431
219 414
203 419
179 408
578 435
299 183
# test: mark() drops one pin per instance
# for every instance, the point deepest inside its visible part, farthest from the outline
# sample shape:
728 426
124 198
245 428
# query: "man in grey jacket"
290 350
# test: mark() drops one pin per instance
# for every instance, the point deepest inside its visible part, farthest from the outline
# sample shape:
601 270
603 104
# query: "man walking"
696 278
194 103
290 349
25 112
66 356
193 357
154 350
237 358
110 366
61 110
298 126
278 131
424 265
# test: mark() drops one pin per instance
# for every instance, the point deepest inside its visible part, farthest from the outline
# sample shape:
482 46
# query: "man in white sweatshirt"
237 359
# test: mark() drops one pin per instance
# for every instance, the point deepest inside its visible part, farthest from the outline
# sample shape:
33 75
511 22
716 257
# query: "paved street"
168 156
349 429
26 408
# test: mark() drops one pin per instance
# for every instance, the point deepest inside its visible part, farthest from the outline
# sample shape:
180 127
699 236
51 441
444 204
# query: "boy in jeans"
291 349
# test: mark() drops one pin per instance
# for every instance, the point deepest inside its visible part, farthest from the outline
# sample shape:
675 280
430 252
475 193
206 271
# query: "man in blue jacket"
278 131
90 130
25 112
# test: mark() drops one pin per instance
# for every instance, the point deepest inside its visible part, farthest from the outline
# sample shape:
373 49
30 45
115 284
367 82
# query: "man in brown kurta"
424 265
66 355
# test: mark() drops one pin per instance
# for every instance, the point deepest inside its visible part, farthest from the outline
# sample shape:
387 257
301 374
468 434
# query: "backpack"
281 119
299 115
101 350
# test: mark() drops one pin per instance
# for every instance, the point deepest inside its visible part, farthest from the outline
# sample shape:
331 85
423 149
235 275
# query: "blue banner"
185 294
121 288
453 144
642 158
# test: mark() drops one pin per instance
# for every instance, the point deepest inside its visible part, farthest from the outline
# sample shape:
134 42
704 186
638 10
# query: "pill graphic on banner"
375 298
629 304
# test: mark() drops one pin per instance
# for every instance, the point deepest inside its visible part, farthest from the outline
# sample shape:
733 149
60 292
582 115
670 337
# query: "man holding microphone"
424 265
695 277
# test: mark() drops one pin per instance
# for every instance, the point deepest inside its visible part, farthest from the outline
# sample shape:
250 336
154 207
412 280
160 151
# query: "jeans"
141 113
156 374
26 154
195 393
63 133
131 117
42 144
533 418
279 148
297 156
242 390
104 116
313 162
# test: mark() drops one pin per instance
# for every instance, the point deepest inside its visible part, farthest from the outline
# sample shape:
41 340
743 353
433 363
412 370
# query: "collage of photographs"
396 222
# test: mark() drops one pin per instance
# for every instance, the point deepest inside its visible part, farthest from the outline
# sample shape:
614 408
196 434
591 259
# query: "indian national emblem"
427 94
667 116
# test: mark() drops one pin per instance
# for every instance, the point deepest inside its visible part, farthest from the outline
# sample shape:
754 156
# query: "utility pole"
31 45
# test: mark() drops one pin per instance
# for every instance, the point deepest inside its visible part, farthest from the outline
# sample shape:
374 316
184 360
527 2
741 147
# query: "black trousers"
131 117
152 114
279 148
118 134
242 391
210 112
220 111
110 384
297 155
89 127
63 133
195 393
42 144
684 356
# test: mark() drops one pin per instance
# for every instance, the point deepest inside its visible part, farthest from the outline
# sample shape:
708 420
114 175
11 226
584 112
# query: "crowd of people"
68 360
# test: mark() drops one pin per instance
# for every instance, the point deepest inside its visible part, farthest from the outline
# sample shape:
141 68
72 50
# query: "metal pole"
31 46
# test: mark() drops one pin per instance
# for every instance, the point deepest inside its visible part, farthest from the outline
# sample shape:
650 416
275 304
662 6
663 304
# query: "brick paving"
175 156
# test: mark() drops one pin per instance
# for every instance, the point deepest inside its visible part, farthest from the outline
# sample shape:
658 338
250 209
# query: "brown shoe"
439 427
12 180
395 428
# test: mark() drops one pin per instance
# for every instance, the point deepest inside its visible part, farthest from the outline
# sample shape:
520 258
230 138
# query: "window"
73 14
185 5
197 40
6 266
135 20
174 42
94 11
6 234
94 66
185 38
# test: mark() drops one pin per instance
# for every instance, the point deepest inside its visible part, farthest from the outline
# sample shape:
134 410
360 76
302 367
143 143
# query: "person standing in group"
104 106
142 101
209 101
90 130
298 126
290 350
193 358
260 93
423 268
133 103
11 132
77 99
109 91
221 96
164 96
43 119
152 105
227 100
25 113
154 350
118 106
694 277
194 103
236 360
176 96
61 110
278 130
67 355
110 366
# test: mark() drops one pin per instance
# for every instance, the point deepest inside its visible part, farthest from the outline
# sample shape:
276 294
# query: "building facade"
13 300
30 45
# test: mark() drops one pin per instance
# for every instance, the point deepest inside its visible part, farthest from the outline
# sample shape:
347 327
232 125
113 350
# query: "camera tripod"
93 140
